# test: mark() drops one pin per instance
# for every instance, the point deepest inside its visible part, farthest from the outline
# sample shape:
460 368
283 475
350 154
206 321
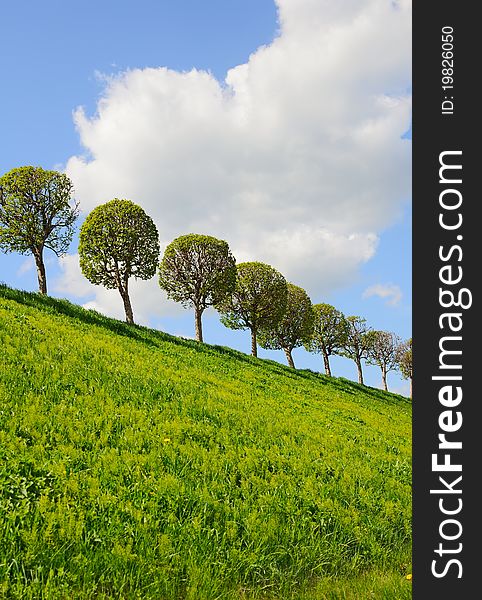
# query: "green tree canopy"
383 352
294 329
356 342
36 212
198 271
118 240
329 333
404 361
258 301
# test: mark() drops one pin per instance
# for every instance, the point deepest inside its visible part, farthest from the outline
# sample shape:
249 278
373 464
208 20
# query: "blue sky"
300 147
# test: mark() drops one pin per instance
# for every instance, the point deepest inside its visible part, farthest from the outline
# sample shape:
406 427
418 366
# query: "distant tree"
294 329
198 271
258 301
356 343
118 240
404 361
36 212
383 352
329 332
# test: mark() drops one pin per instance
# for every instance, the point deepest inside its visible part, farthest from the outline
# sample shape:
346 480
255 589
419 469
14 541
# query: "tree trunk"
254 347
410 388
326 362
198 322
41 276
289 358
127 304
384 379
360 372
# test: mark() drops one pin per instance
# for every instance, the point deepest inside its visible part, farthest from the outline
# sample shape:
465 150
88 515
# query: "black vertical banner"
447 424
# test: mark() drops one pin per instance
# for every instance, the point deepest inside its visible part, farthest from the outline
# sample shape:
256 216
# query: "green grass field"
137 465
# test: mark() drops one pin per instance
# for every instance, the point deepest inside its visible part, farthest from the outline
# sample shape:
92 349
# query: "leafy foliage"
258 301
36 213
139 465
118 240
356 342
35 210
197 271
405 361
329 332
404 356
383 352
296 326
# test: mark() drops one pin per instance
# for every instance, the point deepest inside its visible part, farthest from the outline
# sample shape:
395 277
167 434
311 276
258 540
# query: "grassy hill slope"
139 465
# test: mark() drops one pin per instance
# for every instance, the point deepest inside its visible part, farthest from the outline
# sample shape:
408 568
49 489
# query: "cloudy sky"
282 127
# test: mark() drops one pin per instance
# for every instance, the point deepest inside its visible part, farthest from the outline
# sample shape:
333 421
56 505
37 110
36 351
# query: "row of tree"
118 240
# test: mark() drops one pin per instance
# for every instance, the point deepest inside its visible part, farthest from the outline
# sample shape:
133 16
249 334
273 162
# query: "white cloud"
71 280
146 296
27 265
296 159
389 292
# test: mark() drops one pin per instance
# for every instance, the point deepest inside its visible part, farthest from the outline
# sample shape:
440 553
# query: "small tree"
36 213
329 333
294 329
404 361
198 271
356 343
383 352
258 301
118 240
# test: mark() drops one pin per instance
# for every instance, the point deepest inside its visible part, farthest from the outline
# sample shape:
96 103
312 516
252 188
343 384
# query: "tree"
198 271
404 361
258 301
118 240
329 333
36 213
356 342
294 329
383 352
